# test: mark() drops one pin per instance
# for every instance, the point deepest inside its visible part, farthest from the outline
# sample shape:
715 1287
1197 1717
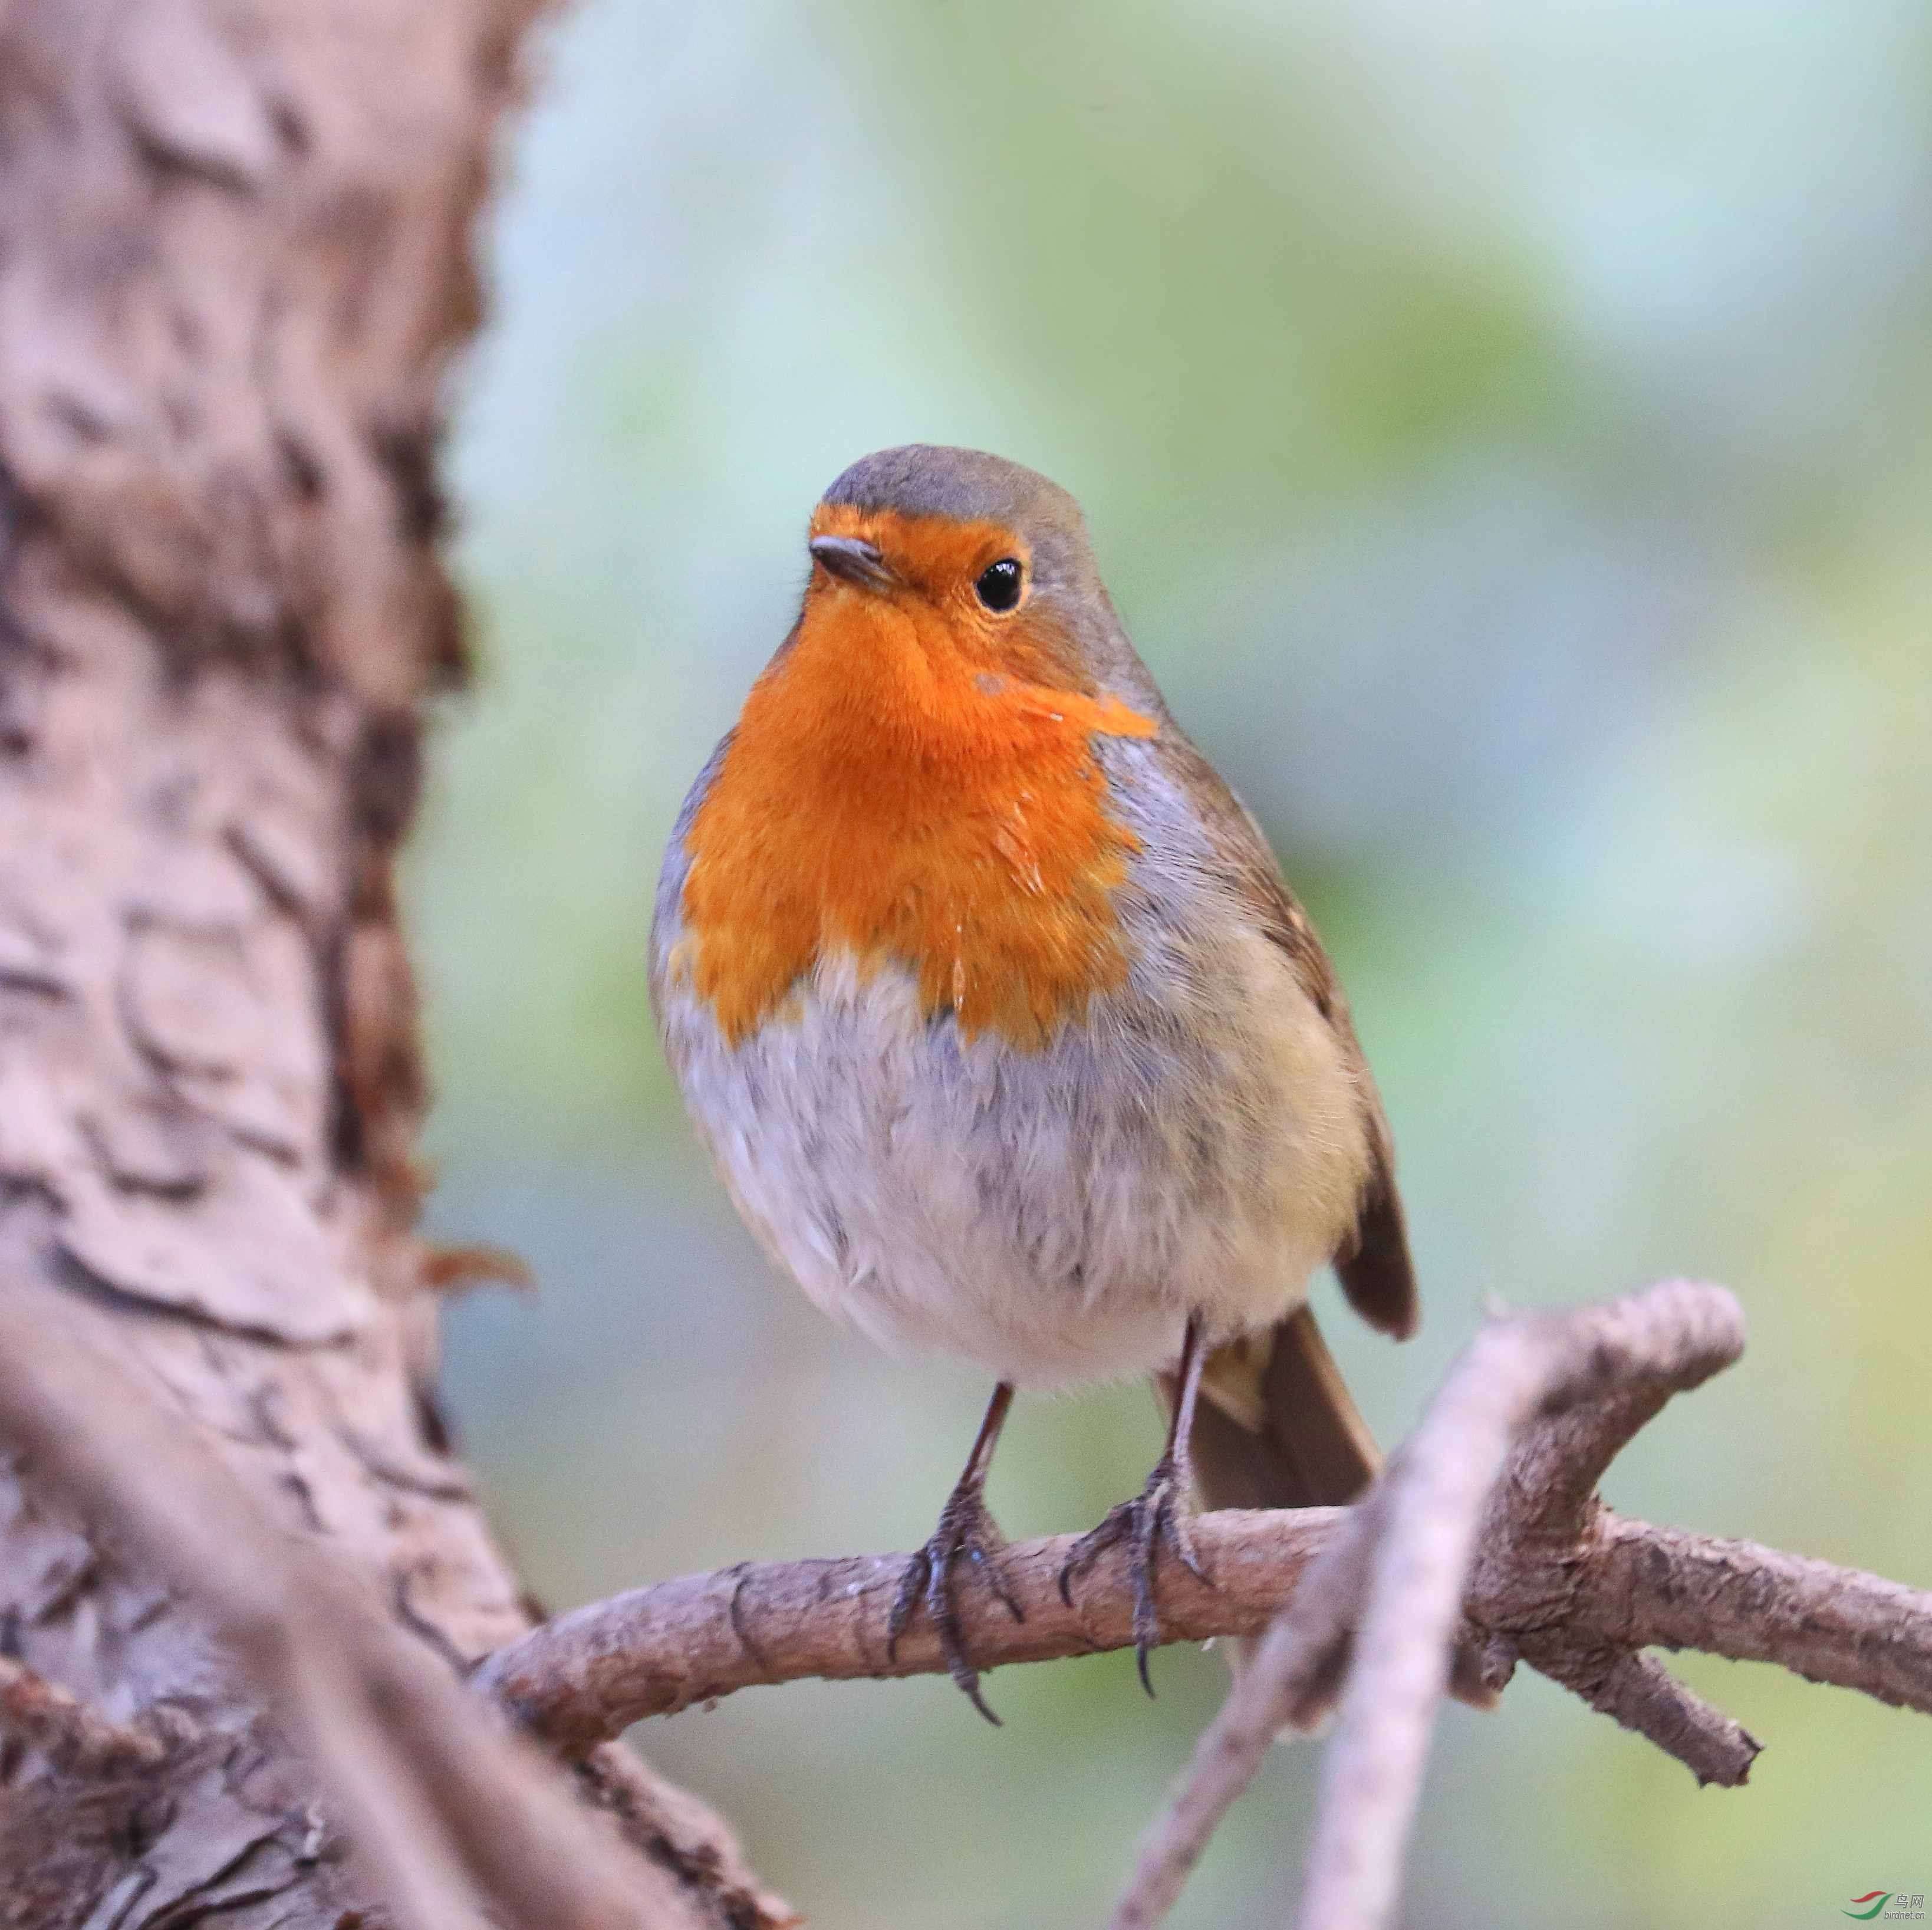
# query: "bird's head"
951 550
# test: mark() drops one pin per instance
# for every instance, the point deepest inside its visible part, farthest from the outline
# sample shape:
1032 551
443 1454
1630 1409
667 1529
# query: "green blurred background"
1505 429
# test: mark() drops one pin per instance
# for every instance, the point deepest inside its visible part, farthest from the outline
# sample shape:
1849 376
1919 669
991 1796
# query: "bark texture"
236 257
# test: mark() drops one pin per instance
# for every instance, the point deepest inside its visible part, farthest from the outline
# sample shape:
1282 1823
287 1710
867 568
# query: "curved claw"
912 1585
965 1528
1114 1525
995 1577
1154 1518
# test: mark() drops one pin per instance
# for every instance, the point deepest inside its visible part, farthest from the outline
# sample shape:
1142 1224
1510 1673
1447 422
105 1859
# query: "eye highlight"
998 586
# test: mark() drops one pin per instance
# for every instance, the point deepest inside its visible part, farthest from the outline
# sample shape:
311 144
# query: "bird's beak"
852 558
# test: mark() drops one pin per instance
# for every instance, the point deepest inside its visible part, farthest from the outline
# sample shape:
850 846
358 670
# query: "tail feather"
1276 1427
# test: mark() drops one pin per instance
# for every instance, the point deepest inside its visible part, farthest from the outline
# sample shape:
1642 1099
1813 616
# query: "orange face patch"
912 780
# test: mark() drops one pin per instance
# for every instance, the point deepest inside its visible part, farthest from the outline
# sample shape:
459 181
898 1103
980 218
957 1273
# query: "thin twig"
1288 1678
1758 1604
1641 1694
1626 1356
587 1676
1636 1352
1373 1766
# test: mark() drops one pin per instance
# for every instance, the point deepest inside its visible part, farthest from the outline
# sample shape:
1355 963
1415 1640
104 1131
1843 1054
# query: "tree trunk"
235 259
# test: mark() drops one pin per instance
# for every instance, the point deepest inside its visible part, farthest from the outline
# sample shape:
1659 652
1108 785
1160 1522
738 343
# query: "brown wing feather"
1376 1271
1373 1263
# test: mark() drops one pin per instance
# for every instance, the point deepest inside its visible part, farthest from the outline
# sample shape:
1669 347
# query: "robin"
1004 1031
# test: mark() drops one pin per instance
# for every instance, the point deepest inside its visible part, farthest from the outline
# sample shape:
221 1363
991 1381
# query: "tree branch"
587 1676
1756 1604
1626 1357
1639 1693
1556 1580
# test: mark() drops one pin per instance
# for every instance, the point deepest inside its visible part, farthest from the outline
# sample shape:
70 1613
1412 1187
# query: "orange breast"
903 789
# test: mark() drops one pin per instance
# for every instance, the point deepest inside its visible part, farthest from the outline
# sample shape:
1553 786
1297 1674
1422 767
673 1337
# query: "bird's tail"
1276 1428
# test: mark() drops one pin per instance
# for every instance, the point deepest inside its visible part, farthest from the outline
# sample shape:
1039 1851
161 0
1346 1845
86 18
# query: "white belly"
1055 1216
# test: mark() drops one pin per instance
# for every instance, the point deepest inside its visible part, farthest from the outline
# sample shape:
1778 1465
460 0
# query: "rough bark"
236 257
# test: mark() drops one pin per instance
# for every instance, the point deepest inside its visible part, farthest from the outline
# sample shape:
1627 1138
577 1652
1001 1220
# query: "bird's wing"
1373 1262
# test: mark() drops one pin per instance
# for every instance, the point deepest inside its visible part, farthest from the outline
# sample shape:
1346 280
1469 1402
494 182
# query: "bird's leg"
965 1528
1157 1515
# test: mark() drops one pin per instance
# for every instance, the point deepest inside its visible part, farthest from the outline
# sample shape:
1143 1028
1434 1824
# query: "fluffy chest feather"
888 799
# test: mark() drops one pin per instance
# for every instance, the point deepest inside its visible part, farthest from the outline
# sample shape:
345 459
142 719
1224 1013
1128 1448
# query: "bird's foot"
966 1528
1157 1516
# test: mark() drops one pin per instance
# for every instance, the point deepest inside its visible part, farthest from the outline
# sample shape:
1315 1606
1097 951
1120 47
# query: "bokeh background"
1505 429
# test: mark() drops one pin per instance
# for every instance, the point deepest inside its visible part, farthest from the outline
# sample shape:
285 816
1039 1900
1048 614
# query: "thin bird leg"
965 1528
1157 1515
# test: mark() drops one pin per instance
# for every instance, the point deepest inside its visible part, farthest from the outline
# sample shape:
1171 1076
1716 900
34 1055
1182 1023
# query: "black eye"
999 584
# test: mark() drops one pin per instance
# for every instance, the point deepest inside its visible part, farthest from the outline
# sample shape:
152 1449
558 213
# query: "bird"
1005 1033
